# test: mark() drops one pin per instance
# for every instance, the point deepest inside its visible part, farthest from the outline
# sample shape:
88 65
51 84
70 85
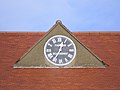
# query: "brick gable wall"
106 45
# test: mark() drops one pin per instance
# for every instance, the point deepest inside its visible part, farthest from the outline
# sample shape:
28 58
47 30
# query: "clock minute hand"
61 45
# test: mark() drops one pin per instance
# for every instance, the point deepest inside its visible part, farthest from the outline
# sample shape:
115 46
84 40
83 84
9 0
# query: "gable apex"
35 58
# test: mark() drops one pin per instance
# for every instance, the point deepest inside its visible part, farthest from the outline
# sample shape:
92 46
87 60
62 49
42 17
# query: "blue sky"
76 15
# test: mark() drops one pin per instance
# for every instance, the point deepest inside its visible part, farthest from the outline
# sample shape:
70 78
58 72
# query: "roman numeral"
69 44
48 50
49 45
70 55
50 55
54 60
66 60
65 41
71 50
59 39
53 40
60 61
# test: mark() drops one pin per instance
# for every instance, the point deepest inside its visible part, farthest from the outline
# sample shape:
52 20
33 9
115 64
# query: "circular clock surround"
60 50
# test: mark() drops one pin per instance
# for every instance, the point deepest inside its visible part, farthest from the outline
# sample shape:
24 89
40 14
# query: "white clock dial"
60 50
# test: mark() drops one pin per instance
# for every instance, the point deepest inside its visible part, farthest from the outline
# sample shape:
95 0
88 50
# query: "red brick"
105 45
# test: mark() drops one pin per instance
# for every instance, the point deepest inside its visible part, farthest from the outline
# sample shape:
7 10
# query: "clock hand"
61 45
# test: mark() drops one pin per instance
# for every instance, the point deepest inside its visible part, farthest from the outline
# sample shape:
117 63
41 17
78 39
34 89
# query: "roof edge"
75 33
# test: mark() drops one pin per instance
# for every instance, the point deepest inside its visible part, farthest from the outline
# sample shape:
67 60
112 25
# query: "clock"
60 50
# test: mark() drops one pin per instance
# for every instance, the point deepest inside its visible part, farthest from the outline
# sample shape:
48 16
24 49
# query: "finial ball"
58 21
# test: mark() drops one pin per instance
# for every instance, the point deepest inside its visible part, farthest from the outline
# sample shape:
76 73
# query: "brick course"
105 45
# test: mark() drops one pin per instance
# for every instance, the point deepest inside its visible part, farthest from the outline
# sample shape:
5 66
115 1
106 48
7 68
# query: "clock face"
60 50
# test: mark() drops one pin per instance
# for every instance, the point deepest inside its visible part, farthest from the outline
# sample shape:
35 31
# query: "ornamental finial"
58 21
